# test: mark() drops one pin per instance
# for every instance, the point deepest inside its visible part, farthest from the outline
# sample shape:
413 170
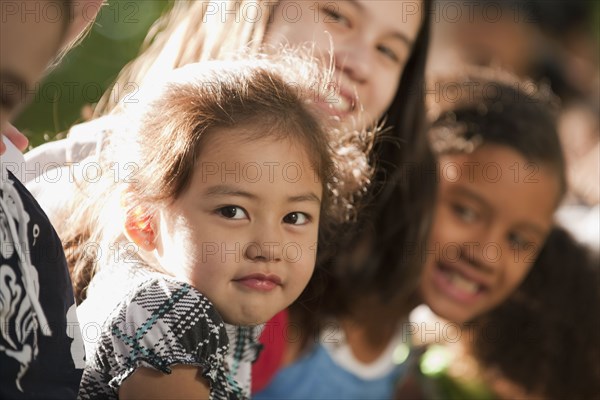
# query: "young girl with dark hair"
494 272
238 172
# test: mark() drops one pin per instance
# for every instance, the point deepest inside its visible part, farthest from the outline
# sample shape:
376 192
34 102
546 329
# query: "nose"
490 249
267 244
354 61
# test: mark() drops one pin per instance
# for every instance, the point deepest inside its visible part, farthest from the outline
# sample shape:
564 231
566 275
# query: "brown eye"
389 53
332 15
519 242
7 102
232 212
466 214
296 218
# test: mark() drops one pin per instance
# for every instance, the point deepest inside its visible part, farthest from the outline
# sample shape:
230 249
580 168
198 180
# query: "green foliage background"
89 69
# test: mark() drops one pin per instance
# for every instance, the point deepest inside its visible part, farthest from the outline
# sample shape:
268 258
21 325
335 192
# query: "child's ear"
140 228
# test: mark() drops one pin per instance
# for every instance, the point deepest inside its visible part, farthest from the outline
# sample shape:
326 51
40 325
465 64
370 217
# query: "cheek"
205 278
382 93
445 229
302 258
179 247
427 273
515 275
3 120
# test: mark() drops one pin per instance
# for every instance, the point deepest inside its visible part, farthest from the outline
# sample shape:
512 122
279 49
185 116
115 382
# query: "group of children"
258 190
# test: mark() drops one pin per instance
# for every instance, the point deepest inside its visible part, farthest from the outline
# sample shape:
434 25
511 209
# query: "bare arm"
184 382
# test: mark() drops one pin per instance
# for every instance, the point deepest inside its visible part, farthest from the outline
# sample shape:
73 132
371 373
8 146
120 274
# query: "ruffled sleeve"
163 322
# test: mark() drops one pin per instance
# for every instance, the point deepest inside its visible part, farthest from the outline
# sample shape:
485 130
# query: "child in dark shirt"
41 351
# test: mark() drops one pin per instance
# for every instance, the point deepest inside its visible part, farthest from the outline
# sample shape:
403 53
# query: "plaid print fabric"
161 323
244 349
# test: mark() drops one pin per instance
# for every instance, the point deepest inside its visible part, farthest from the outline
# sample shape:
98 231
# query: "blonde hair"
166 131
191 31
68 6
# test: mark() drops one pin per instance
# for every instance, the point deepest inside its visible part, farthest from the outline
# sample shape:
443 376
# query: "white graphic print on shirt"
21 314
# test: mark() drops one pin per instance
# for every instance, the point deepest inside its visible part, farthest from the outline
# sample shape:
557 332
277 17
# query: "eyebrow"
403 38
305 197
474 196
356 5
226 190
396 34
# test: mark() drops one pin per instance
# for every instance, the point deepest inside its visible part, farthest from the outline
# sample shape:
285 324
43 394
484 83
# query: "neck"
371 326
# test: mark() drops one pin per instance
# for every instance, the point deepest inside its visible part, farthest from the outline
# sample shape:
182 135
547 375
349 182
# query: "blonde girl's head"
205 109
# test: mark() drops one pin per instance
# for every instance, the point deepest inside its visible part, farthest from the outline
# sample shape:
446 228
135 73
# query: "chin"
448 313
246 319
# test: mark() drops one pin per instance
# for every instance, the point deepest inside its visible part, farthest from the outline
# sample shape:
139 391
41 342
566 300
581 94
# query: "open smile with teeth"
461 282
457 285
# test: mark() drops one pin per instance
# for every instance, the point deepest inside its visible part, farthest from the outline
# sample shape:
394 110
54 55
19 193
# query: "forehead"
503 180
271 165
390 15
239 143
30 35
384 16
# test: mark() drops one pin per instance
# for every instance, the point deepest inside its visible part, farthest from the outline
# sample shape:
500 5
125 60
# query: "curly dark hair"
487 105
546 336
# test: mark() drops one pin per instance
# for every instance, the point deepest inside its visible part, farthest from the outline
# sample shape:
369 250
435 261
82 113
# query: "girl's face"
371 40
244 233
494 212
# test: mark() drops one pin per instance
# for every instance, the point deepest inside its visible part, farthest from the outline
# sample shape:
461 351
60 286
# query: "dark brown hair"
489 106
546 336
377 260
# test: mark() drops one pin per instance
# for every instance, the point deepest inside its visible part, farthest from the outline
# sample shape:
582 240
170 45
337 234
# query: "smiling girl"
236 170
502 178
494 269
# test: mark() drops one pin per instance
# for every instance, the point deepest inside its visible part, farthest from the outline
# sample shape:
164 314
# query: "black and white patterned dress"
159 323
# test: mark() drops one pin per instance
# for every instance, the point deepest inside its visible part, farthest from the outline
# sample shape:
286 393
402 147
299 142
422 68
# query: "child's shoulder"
164 306
161 322
161 297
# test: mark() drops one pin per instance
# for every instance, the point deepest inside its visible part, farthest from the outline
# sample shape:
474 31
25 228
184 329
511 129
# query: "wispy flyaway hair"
161 136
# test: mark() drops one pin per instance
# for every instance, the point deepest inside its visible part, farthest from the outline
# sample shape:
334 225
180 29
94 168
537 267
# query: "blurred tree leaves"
89 69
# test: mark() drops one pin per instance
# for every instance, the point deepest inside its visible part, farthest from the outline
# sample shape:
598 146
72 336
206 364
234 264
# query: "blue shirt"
318 376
